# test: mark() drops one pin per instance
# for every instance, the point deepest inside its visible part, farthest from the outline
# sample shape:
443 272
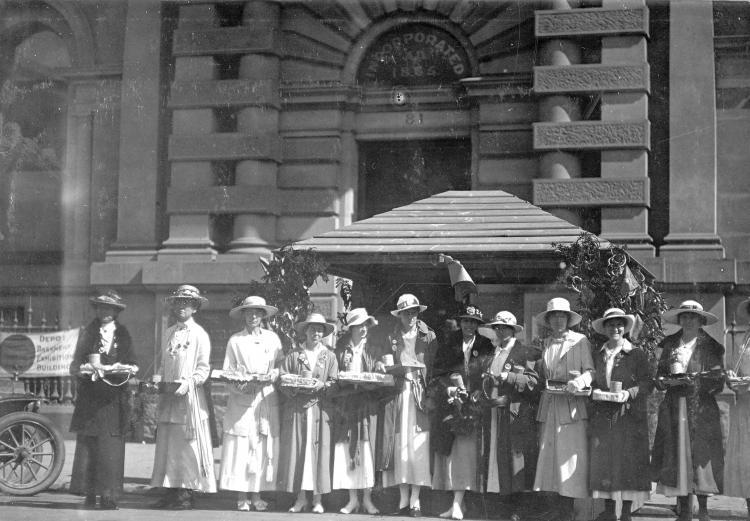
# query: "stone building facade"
177 142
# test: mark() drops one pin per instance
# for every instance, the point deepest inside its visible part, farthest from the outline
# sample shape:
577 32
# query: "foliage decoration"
289 274
608 277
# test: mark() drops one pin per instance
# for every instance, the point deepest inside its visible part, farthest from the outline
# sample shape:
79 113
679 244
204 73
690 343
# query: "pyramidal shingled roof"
452 222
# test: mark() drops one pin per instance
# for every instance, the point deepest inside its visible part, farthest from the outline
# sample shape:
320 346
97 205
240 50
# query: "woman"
457 380
618 444
737 472
101 415
356 425
250 453
687 456
509 425
562 466
183 459
306 433
403 431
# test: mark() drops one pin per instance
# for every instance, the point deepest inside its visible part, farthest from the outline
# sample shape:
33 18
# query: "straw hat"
610 314
314 318
109 298
743 311
253 302
558 304
407 301
186 291
471 313
505 318
672 316
359 316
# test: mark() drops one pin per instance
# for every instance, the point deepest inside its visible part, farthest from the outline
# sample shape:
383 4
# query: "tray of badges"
606 396
240 378
296 381
381 379
108 370
559 387
738 381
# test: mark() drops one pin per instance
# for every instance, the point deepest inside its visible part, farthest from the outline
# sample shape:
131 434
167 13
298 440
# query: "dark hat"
472 313
108 298
186 291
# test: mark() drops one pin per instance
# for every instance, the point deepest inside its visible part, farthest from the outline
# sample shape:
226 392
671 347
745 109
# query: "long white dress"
184 455
737 461
250 452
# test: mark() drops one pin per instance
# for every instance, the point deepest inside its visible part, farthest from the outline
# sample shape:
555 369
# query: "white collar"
108 327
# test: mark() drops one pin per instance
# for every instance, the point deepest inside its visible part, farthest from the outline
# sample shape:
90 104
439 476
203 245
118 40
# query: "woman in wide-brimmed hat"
250 452
618 431
687 456
183 459
457 376
562 466
306 431
404 447
100 417
737 472
356 424
509 423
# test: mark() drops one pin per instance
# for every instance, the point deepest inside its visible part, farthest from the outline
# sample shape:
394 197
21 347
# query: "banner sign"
45 354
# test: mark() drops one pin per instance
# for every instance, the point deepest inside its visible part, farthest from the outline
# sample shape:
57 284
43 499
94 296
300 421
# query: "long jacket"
704 425
516 425
101 408
619 446
355 414
294 418
449 359
390 411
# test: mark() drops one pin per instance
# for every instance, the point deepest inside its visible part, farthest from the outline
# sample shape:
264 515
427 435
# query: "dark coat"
101 408
618 433
516 427
449 359
704 425
294 425
391 407
355 414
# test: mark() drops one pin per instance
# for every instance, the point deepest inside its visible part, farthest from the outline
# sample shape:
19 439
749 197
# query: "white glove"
183 388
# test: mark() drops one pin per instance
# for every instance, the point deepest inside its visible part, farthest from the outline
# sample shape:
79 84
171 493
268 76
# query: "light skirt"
411 455
737 461
458 470
176 460
308 469
361 476
248 469
684 456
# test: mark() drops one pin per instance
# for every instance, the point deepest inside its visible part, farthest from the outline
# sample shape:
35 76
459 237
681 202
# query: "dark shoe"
90 500
703 516
401 511
108 503
415 512
183 500
166 500
606 516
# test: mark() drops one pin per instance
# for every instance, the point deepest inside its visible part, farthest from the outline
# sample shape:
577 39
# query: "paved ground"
138 495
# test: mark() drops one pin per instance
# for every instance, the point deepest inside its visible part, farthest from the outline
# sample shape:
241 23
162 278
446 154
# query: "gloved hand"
183 388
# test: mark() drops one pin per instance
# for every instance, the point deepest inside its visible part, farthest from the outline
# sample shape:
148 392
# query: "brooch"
475 353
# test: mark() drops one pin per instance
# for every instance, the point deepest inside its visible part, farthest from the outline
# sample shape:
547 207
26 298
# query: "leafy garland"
286 285
605 278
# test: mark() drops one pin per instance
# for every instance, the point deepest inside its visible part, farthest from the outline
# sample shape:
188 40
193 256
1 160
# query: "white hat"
672 316
186 291
558 304
253 302
610 314
358 316
743 311
314 318
505 318
407 301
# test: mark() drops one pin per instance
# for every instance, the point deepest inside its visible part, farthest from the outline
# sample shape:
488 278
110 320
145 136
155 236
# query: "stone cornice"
252 38
224 93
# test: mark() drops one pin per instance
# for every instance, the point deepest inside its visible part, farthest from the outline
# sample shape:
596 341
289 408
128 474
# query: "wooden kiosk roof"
498 237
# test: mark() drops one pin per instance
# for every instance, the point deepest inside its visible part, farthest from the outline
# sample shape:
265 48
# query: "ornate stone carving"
594 21
591 78
591 192
591 135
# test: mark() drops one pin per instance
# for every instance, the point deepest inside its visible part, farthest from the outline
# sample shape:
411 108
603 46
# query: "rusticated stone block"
591 78
591 22
326 148
256 38
224 93
592 135
591 192
223 199
223 146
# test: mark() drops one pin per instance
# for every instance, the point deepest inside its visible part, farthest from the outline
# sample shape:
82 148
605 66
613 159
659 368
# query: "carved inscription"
596 135
594 21
591 192
591 78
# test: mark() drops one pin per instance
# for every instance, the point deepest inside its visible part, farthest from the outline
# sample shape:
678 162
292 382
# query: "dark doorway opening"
396 173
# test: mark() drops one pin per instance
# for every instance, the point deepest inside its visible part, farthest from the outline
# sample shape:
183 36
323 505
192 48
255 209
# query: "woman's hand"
183 388
379 367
